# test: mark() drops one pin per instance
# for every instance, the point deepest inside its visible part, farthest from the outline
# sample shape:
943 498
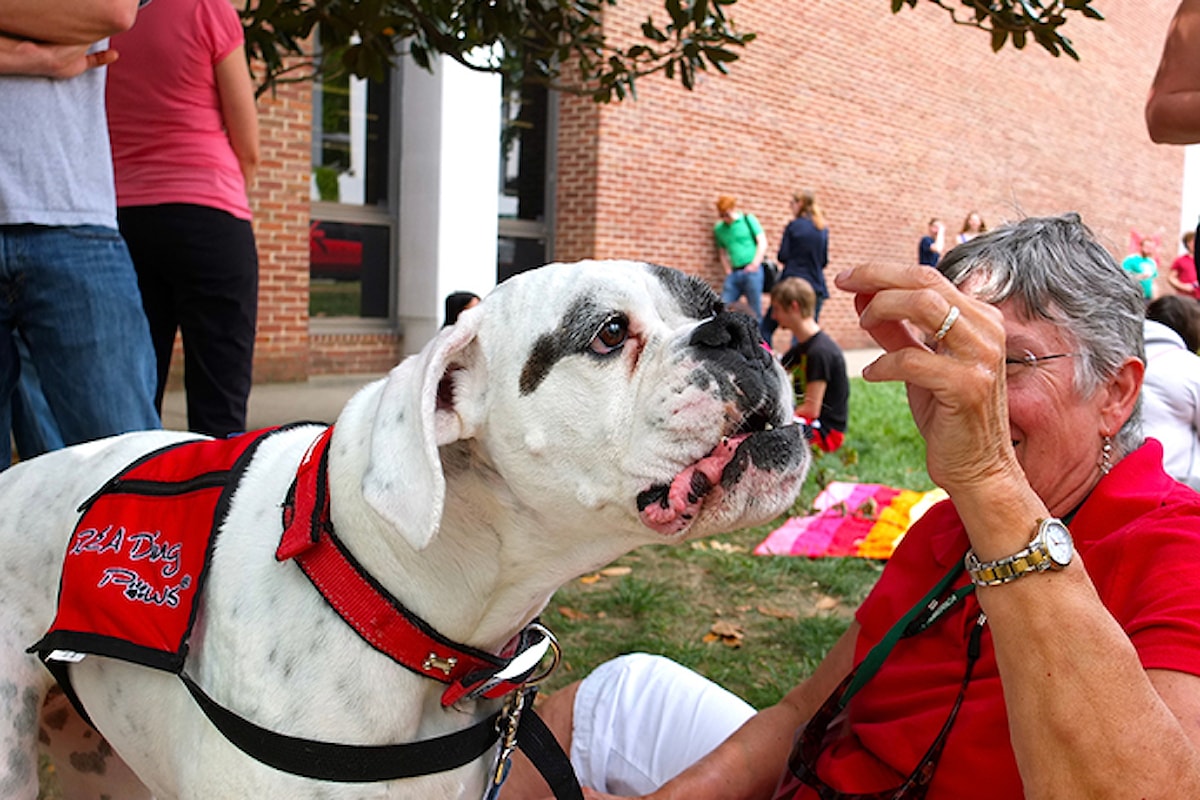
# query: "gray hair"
1054 269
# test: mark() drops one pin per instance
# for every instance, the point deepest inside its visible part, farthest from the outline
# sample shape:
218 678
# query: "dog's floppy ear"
403 481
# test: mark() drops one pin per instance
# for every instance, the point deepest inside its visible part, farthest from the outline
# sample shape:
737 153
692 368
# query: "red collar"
378 617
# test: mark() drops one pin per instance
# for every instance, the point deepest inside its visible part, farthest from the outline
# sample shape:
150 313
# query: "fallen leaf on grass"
720 547
778 613
572 613
615 572
826 603
590 579
726 633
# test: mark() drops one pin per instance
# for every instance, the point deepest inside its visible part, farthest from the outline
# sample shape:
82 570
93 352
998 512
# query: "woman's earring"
1106 453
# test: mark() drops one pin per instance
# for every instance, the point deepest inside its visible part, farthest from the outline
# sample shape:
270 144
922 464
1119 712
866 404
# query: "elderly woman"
1037 635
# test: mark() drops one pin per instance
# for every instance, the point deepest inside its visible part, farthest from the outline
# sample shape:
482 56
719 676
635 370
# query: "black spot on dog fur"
695 297
730 352
94 762
56 719
25 722
20 770
573 334
774 451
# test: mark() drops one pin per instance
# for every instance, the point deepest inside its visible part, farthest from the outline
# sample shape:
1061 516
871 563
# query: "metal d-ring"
555 650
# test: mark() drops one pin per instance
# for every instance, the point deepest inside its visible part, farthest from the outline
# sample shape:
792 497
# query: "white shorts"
640 720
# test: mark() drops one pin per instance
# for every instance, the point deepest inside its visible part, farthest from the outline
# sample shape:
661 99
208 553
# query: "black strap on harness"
543 750
343 763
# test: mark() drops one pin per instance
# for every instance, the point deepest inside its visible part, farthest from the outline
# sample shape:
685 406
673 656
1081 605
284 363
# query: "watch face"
1058 543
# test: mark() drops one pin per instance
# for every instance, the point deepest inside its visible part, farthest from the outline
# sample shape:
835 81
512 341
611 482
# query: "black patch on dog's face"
730 352
572 335
583 319
693 295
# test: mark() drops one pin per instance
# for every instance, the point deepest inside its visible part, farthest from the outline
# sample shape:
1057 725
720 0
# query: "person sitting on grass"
816 364
1036 635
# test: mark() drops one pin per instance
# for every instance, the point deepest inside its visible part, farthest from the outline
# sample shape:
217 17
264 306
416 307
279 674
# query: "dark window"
350 233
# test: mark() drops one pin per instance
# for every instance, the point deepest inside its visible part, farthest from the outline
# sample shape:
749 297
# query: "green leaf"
999 37
720 54
653 33
679 17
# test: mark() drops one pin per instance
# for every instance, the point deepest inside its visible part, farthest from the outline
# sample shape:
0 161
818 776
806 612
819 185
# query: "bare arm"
25 57
749 763
236 91
814 396
1173 107
1178 285
724 255
760 250
1086 720
67 21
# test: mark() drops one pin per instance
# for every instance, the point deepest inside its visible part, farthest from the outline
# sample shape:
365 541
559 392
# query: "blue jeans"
34 429
741 283
72 294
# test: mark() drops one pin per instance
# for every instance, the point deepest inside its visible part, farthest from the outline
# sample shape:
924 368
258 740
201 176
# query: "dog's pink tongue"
682 502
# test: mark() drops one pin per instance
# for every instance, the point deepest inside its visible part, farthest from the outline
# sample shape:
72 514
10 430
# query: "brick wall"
354 353
286 349
890 119
279 198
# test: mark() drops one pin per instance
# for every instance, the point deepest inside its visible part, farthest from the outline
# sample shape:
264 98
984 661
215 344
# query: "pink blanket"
866 520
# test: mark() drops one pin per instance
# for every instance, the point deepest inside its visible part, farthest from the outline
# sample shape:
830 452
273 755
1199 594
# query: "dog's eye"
611 335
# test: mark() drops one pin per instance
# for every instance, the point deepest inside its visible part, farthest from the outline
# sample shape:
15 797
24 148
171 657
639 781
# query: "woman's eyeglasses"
1027 361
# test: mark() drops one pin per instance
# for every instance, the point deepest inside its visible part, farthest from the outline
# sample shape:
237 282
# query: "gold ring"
947 323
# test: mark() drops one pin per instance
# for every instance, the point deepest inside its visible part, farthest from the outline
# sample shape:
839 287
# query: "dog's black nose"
732 331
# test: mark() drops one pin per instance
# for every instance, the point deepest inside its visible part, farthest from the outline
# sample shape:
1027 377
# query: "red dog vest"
136 562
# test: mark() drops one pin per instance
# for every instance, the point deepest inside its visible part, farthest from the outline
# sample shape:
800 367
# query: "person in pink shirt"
1182 275
184 132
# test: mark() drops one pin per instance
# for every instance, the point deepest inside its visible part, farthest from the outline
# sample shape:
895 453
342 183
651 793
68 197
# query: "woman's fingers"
904 307
948 348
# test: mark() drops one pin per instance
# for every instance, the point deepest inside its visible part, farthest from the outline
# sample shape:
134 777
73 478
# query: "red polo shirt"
1139 536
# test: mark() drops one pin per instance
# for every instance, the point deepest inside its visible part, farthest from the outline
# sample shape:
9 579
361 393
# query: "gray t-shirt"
55 160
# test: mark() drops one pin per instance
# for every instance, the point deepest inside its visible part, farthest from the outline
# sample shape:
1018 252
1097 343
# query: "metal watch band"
1006 570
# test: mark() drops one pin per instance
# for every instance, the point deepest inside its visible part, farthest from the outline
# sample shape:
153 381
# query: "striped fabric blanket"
864 520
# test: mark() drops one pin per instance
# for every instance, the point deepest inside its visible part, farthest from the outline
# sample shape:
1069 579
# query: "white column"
1189 207
449 163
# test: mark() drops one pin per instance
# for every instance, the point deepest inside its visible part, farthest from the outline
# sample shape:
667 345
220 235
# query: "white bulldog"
580 411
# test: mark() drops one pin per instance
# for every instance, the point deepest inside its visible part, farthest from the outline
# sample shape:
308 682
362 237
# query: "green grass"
788 610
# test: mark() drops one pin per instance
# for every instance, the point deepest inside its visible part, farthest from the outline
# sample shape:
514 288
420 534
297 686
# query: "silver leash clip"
507 724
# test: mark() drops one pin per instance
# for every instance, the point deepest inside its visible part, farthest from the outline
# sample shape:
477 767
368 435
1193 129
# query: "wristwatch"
1050 549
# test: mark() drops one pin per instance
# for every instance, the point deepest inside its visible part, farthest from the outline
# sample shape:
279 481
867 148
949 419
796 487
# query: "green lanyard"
928 610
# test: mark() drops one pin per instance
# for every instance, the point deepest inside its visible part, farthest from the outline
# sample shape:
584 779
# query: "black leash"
538 743
346 763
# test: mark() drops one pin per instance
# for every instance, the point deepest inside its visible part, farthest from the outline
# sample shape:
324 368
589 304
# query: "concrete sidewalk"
321 398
